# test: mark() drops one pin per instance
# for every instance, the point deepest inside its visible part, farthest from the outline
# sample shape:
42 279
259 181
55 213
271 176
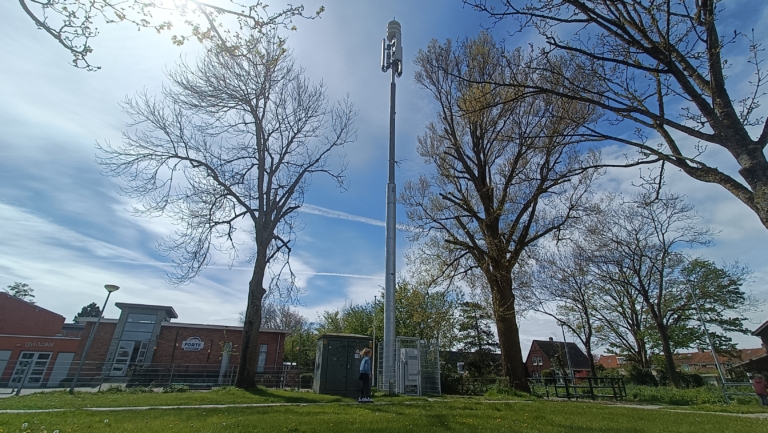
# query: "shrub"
112 389
504 390
140 390
450 383
641 376
306 379
681 397
549 377
175 387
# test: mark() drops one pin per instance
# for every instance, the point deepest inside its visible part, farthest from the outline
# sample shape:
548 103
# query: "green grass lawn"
63 400
454 415
336 414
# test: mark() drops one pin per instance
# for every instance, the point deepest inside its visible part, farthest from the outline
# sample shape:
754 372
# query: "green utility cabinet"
337 364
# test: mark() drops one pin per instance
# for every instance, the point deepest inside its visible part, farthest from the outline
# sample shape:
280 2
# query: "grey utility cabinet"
337 364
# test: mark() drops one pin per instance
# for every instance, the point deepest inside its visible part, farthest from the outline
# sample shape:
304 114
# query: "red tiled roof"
705 358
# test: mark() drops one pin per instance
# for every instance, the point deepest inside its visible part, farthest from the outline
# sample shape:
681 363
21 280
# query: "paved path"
222 406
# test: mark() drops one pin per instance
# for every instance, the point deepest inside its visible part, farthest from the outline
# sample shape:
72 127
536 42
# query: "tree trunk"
592 367
669 361
509 333
249 347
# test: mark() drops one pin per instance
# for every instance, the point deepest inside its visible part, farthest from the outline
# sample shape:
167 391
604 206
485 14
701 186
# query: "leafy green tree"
476 337
300 347
21 291
90 310
429 315
349 319
721 299
419 312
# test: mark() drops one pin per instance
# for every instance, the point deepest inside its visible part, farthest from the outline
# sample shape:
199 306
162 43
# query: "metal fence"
26 374
428 382
738 390
580 387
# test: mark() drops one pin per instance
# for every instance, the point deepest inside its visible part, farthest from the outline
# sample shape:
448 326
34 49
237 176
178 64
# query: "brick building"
142 339
19 317
550 355
34 335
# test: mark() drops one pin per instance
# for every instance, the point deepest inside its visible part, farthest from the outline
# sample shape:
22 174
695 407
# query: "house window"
537 360
262 358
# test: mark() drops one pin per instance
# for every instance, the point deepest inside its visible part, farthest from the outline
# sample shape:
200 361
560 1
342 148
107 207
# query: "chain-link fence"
417 367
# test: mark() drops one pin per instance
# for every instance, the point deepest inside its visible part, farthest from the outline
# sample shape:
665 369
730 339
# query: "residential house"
551 355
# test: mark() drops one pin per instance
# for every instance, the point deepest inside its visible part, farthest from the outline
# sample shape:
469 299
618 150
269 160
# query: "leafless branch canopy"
662 65
230 144
73 23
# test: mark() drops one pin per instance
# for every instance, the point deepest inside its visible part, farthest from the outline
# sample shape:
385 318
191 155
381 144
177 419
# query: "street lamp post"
391 59
565 345
110 288
711 344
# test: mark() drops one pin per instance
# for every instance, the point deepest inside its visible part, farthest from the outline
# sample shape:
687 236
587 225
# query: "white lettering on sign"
192 343
38 344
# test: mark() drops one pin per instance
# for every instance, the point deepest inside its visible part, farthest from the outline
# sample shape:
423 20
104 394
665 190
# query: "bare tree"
637 251
505 173
73 23
230 147
661 65
624 322
567 291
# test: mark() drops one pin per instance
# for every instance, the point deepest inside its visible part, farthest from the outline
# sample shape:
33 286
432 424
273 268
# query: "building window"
262 358
537 360
134 342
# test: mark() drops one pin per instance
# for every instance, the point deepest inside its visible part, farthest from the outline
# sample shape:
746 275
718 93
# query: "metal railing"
581 387
25 374
738 389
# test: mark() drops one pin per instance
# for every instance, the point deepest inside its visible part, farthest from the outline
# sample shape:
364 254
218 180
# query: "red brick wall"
213 340
18 317
535 351
100 344
34 344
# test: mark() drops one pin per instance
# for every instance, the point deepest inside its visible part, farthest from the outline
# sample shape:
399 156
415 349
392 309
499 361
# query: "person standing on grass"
758 383
365 377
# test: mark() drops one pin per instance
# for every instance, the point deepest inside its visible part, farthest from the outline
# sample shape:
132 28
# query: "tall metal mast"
391 59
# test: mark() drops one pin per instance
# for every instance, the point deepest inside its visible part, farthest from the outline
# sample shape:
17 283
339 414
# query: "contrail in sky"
330 213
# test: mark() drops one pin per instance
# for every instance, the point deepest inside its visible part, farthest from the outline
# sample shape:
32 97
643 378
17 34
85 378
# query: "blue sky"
65 228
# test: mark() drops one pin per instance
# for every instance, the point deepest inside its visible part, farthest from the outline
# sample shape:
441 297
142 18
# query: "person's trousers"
763 399
365 391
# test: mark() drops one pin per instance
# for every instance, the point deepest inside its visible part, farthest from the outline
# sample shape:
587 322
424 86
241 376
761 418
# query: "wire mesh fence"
35 374
417 367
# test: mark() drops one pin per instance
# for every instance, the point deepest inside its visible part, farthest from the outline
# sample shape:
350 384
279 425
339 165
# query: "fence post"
591 388
567 391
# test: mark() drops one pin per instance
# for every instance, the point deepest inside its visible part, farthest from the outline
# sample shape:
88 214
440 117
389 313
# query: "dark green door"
353 375
336 370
